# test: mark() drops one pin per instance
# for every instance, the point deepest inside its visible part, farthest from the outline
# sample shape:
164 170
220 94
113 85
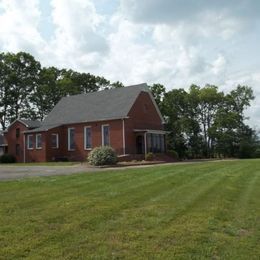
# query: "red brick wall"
80 154
52 153
12 140
47 153
143 115
36 155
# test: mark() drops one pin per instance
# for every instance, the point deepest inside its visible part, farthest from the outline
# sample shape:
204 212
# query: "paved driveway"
17 172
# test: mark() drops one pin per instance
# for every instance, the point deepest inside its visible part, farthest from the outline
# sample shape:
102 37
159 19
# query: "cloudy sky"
172 42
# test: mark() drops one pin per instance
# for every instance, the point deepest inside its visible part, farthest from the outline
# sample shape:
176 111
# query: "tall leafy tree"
19 77
4 92
210 100
158 92
229 127
47 93
173 109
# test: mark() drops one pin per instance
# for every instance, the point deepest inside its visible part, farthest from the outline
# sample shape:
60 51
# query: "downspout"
23 147
145 144
123 126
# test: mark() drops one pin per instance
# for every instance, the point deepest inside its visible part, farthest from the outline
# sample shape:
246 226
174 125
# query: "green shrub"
149 157
173 154
257 153
103 155
7 158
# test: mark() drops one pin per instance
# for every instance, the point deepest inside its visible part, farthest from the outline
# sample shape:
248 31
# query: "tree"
102 83
47 93
19 75
173 109
117 84
230 130
209 100
205 122
158 92
4 93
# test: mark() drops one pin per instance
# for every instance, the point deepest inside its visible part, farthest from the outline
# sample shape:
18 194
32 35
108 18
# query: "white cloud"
219 65
19 26
77 42
174 11
251 79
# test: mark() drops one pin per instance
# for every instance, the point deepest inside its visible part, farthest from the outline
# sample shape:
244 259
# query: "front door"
140 144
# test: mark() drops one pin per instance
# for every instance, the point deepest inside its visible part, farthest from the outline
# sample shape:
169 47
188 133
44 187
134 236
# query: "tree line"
203 122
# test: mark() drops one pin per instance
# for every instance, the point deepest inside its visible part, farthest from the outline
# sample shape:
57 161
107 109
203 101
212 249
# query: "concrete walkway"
17 172
12 172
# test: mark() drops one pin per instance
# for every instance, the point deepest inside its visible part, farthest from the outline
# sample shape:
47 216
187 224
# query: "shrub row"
7 158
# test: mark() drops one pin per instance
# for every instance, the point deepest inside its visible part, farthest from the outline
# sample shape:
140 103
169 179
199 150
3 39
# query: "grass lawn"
195 211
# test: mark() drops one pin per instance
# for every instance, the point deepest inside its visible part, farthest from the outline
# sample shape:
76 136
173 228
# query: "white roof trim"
151 131
17 120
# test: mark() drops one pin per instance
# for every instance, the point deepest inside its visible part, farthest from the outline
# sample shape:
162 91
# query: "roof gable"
28 123
154 104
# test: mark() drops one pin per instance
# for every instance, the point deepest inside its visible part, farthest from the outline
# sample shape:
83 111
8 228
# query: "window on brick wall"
105 135
87 138
38 141
71 139
29 142
17 132
55 141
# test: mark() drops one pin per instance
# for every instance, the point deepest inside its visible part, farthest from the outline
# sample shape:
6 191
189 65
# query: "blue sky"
172 42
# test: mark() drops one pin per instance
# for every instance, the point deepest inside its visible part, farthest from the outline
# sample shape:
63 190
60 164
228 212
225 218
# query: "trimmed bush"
149 157
173 154
103 155
257 153
7 158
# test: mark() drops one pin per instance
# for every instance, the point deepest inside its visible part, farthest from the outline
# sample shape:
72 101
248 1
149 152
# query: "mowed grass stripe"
191 211
169 216
205 212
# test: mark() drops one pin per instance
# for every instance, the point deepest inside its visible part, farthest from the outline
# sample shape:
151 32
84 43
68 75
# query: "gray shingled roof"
31 123
96 106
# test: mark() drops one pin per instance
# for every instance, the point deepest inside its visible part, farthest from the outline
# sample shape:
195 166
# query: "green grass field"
194 211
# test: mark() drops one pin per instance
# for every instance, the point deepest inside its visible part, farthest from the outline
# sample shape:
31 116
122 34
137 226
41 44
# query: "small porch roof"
151 131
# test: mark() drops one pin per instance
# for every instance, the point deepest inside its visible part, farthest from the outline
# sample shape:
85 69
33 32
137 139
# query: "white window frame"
57 141
69 141
103 135
28 137
36 141
85 138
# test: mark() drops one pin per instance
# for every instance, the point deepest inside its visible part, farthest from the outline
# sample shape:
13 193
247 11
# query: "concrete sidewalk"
17 172
12 172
